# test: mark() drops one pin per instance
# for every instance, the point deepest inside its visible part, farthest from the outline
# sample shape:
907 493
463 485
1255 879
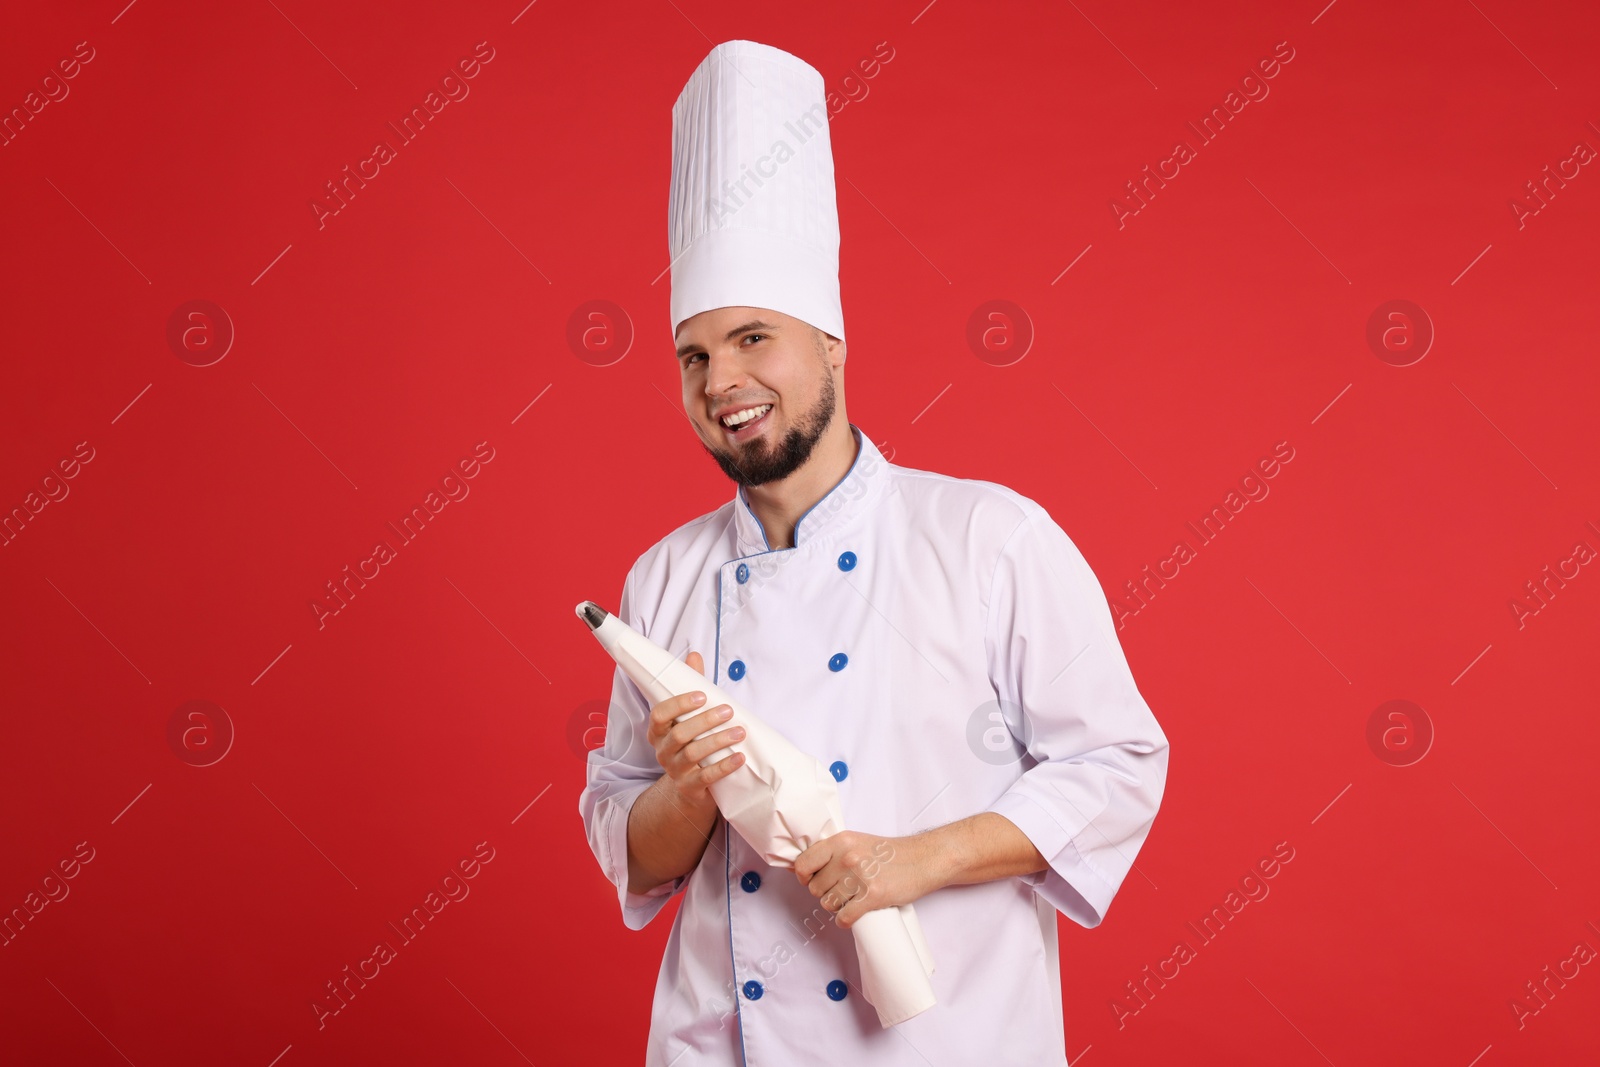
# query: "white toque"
751 217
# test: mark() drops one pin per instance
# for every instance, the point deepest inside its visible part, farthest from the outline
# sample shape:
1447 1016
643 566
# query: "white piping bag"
781 801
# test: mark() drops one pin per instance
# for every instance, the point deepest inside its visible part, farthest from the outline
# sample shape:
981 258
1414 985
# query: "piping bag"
781 801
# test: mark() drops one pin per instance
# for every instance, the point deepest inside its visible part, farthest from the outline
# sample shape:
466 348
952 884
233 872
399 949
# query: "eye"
692 357
748 336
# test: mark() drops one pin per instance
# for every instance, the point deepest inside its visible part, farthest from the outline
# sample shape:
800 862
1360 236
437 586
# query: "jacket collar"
857 492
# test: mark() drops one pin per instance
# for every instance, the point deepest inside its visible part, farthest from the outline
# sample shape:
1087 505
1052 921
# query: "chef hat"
751 217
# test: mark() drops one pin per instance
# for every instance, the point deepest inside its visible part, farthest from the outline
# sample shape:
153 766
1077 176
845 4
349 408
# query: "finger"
703 777
692 727
696 751
849 892
662 715
684 703
852 911
801 864
823 884
693 659
666 713
722 768
812 860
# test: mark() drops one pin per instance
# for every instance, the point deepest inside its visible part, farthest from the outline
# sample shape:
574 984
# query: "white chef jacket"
944 648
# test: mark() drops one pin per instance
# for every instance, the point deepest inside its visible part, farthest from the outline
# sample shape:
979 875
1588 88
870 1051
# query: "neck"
779 505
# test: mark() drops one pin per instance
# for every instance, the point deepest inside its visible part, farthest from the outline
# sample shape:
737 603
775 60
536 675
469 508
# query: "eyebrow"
753 324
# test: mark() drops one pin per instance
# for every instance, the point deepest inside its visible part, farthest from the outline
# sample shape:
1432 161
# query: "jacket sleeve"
1096 759
618 771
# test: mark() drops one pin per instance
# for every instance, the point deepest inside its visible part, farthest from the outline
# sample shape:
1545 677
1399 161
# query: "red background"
443 706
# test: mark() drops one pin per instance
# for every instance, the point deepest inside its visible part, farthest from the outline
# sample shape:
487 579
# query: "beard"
756 463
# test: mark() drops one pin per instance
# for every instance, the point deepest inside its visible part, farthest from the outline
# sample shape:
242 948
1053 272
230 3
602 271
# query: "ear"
832 347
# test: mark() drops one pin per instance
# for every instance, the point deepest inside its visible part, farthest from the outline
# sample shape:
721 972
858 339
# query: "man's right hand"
677 751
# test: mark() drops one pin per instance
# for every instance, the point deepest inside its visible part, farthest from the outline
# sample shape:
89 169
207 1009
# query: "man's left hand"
853 873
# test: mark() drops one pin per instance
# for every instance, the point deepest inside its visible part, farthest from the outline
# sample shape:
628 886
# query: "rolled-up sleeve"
618 771
1098 757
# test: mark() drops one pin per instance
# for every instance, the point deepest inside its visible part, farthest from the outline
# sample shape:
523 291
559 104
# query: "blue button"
838 770
838 661
837 989
752 989
750 882
847 562
743 574
736 669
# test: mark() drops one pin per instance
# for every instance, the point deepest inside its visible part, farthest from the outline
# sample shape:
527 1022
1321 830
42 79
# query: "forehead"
715 323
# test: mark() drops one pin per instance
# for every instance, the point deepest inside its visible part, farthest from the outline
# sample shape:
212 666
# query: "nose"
724 373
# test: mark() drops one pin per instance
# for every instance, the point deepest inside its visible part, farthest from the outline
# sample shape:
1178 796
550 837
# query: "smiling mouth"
747 429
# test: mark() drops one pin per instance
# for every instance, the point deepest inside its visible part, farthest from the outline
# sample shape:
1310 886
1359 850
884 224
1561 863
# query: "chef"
938 643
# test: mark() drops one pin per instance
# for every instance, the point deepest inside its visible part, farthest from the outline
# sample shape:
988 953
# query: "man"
939 643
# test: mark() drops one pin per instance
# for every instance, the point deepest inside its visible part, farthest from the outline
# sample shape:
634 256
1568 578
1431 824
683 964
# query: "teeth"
742 417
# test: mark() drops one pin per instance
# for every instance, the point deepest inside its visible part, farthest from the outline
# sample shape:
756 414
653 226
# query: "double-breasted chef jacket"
942 646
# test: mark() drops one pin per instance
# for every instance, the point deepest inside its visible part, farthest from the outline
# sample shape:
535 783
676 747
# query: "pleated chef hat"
751 216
